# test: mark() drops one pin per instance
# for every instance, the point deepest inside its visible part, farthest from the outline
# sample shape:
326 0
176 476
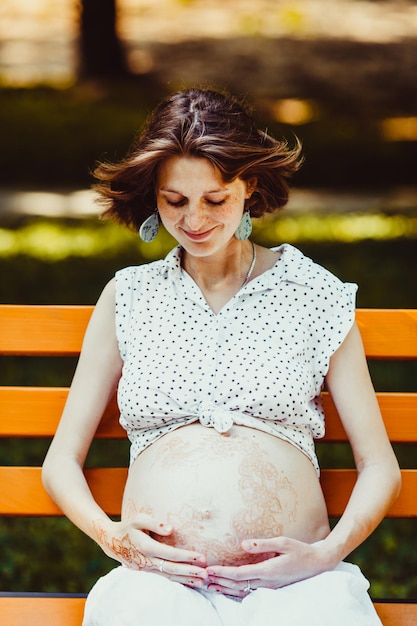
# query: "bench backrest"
28 330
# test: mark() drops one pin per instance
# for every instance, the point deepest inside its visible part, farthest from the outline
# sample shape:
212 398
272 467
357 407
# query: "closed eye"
219 203
176 204
182 202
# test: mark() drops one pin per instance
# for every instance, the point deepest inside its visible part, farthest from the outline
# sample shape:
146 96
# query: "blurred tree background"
77 80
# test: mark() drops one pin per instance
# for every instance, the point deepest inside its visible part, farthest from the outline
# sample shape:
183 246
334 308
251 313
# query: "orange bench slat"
397 613
43 330
23 493
41 611
35 412
399 410
377 325
68 611
59 330
337 485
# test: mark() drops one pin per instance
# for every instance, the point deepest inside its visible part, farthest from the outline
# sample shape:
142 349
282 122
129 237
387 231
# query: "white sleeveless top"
260 362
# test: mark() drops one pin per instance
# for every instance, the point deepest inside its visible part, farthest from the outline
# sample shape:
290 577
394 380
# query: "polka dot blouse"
260 362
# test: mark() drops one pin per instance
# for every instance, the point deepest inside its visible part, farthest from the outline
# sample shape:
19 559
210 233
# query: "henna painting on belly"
131 509
189 533
270 497
270 500
209 445
172 450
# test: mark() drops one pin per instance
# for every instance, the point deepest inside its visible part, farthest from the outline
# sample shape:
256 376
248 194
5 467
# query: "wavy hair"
203 124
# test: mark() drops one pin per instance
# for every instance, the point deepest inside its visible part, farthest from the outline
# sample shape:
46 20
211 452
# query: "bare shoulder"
350 349
108 295
266 259
101 331
105 305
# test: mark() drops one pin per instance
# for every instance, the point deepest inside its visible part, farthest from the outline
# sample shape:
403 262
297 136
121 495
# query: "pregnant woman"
219 353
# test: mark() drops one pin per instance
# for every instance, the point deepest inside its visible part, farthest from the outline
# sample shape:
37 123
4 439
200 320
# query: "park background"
77 80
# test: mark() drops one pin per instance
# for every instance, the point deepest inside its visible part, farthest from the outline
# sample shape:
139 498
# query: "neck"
230 271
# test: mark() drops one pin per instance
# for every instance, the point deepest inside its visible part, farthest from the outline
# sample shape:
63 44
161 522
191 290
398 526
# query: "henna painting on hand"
123 549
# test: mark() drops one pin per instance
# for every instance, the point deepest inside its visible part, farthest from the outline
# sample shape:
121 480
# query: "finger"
188 581
253 572
277 545
256 546
226 574
153 548
234 591
226 592
176 555
180 571
142 521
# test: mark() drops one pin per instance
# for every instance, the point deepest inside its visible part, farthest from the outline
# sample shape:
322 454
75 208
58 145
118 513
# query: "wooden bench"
35 411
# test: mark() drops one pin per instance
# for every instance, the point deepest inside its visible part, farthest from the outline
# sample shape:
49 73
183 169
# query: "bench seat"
33 412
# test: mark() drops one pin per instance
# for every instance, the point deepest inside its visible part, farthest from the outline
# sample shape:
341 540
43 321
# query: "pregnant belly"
218 489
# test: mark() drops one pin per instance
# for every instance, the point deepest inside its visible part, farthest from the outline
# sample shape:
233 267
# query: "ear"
251 184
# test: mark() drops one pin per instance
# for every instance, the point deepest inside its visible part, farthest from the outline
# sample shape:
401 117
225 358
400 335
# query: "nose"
195 216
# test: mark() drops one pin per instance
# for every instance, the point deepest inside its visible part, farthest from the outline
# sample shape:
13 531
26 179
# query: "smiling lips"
198 236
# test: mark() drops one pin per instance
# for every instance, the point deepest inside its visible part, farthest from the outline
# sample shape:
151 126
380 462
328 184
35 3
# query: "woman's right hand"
130 542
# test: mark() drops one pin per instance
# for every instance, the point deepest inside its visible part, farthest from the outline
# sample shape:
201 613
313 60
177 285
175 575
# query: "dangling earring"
149 229
244 229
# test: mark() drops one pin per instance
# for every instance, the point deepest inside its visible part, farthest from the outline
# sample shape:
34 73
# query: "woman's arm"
379 478
95 380
376 488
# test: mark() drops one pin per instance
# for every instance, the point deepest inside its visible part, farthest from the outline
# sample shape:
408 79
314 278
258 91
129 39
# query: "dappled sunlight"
54 242
399 129
343 228
159 20
49 241
78 203
38 37
293 111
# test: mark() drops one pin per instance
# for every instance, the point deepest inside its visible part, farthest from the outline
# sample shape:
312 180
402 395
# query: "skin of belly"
218 489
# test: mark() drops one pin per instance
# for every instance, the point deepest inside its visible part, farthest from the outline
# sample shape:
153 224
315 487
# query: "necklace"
252 265
250 271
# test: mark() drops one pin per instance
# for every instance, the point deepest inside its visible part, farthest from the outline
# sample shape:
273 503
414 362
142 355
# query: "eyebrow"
167 190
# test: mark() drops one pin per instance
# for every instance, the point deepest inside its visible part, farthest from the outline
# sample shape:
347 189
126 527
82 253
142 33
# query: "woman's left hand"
289 561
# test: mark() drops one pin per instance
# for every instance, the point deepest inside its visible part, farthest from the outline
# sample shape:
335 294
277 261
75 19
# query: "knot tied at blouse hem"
211 415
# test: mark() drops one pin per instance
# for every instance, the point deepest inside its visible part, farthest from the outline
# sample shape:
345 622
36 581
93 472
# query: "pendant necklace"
252 265
250 271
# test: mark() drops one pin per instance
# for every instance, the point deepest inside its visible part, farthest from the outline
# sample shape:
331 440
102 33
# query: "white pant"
126 597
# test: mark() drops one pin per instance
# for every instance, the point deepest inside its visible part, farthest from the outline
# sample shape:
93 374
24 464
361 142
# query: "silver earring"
149 229
244 229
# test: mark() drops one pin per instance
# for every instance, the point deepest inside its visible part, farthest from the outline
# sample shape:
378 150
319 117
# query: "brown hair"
204 124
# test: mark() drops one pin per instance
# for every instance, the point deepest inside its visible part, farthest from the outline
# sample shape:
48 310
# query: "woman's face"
196 206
